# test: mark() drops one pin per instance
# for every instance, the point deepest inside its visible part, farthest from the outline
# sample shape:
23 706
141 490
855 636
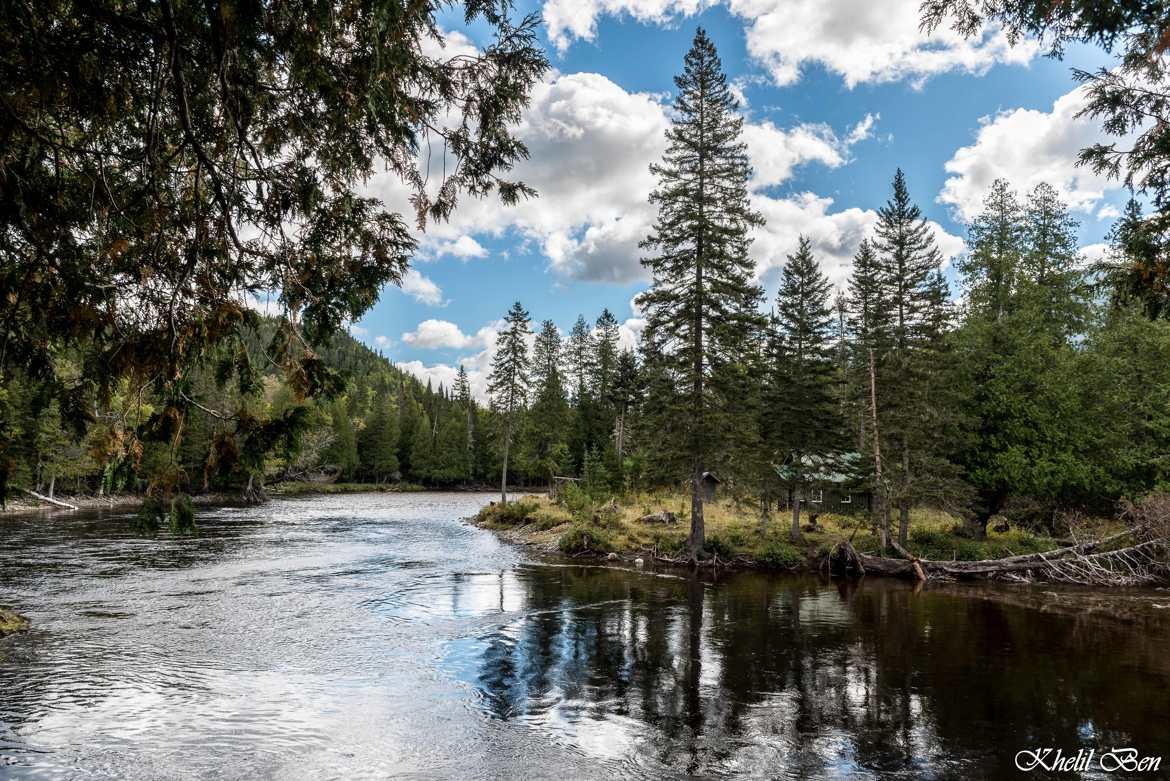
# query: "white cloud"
775 153
1091 254
382 341
1028 147
570 19
630 333
863 129
835 236
421 288
464 248
478 365
590 142
860 40
436 334
1108 212
356 330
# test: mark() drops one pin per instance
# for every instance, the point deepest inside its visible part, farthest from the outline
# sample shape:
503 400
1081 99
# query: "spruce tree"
550 410
1050 258
703 301
508 381
907 256
580 357
805 408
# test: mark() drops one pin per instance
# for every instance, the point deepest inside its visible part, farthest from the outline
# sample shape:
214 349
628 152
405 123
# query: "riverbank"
654 527
21 504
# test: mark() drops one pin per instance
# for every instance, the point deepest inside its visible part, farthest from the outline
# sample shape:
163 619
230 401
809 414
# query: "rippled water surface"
377 635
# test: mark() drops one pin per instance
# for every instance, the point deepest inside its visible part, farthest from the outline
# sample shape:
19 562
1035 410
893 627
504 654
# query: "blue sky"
837 95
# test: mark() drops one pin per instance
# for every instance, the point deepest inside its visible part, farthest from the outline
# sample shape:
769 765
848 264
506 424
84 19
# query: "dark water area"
376 636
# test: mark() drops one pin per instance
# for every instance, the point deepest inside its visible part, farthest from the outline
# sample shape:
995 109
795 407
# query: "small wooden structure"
830 483
708 483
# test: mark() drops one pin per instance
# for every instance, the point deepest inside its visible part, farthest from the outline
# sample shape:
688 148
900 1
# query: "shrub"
574 499
583 539
669 544
716 545
511 514
781 555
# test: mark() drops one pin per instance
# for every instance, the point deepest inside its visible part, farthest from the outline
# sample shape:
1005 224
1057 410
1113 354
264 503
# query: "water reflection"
804 678
376 636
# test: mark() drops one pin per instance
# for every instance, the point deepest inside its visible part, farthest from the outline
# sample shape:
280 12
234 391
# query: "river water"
370 636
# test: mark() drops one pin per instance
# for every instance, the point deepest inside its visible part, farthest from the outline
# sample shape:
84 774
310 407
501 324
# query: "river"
369 636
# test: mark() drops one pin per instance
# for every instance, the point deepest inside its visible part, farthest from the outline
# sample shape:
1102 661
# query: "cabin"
829 483
708 483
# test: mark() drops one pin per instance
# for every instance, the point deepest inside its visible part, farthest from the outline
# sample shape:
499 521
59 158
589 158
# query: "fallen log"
1125 566
56 502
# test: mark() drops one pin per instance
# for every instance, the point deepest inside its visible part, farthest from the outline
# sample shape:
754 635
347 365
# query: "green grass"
300 488
605 524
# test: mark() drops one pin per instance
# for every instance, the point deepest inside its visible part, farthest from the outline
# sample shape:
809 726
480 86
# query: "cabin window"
847 499
816 496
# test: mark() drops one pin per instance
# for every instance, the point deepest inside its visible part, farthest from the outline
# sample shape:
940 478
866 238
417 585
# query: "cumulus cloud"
464 248
1027 147
436 334
590 141
1108 212
421 288
860 40
835 235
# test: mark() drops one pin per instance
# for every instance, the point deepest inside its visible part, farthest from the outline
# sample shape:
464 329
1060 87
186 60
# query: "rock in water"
11 621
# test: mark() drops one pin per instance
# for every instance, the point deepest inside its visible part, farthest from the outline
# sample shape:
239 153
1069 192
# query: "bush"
511 514
578 503
669 544
716 545
781 555
583 539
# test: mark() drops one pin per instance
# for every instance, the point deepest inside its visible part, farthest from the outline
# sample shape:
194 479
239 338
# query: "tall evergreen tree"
805 406
1050 259
703 302
508 381
550 410
580 357
907 256
1016 354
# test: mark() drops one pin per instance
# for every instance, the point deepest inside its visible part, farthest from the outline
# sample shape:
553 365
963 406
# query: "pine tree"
1051 254
422 451
907 256
805 406
995 248
550 410
625 391
703 302
467 404
606 341
378 445
508 381
344 449
580 357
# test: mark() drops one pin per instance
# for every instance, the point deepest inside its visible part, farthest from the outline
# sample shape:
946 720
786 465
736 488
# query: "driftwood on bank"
50 500
1083 563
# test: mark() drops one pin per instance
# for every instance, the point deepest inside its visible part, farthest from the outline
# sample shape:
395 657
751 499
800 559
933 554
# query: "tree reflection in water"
804 678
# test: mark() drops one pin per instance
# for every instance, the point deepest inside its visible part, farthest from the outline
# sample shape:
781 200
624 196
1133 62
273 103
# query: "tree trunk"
880 486
52 485
794 532
698 530
504 471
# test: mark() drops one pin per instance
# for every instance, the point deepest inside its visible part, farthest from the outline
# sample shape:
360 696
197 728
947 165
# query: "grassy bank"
578 526
304 488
